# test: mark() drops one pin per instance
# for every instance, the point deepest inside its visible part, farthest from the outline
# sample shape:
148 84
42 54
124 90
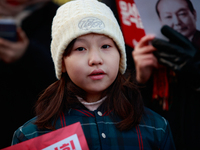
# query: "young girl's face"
93 64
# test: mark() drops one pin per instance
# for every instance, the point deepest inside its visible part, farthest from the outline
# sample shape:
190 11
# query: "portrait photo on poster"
181 15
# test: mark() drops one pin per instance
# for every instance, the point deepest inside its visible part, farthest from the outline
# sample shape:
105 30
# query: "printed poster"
67 138
185 20
130 22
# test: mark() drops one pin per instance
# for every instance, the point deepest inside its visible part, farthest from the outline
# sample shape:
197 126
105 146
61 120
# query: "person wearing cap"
88 51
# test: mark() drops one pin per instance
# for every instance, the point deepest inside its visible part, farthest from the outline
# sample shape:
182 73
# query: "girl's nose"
95 58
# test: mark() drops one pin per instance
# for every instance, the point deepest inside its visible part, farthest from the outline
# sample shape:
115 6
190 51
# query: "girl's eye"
105 46
80 49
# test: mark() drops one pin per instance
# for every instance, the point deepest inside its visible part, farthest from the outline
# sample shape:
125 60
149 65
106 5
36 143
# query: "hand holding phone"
12 51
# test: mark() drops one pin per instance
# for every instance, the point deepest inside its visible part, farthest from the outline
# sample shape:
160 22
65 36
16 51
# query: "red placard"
67 138
130 21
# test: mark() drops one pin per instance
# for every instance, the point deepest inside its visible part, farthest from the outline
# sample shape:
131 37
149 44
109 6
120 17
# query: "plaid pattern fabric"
101 134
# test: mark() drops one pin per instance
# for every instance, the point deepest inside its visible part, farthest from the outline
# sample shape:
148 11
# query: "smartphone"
8 29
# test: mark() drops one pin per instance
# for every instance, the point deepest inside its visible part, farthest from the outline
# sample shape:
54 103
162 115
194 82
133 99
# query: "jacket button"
103 135
99 113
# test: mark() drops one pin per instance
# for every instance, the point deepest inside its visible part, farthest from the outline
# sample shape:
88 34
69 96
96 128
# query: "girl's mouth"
97 74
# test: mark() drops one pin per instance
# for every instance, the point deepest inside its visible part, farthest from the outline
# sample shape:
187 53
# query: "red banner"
67 138
130 21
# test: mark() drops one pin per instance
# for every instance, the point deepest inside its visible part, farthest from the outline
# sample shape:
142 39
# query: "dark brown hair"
123 97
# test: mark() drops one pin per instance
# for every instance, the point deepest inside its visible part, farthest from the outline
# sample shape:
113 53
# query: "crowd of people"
26 65
70 68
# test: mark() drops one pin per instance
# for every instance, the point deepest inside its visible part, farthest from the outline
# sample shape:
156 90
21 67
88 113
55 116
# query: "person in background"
26 65
89 55
169 71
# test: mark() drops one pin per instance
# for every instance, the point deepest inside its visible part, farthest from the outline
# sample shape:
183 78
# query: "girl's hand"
13 51
144 59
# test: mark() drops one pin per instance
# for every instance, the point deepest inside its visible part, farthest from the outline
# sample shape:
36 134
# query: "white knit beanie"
80 17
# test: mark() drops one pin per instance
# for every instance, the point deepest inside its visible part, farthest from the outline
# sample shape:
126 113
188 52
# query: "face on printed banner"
130 21
181 15
178 15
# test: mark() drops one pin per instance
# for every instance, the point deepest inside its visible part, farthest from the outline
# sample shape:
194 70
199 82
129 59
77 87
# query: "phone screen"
8 29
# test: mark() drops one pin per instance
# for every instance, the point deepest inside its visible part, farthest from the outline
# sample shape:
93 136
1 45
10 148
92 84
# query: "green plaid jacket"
153 132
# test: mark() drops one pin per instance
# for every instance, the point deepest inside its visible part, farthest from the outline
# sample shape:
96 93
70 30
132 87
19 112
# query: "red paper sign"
67 138
130 21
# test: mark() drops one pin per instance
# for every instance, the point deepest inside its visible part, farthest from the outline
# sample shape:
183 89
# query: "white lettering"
130 14
70 143
89 23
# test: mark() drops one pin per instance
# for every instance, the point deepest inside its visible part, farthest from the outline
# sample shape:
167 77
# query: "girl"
88 51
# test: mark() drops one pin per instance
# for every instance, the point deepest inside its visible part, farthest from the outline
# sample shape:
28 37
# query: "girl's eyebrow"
83 40
80 40
104 38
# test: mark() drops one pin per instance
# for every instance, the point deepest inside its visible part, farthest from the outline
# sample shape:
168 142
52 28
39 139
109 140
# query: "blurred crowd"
26 64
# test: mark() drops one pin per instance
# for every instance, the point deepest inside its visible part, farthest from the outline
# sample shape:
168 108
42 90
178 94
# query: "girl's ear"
63 67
